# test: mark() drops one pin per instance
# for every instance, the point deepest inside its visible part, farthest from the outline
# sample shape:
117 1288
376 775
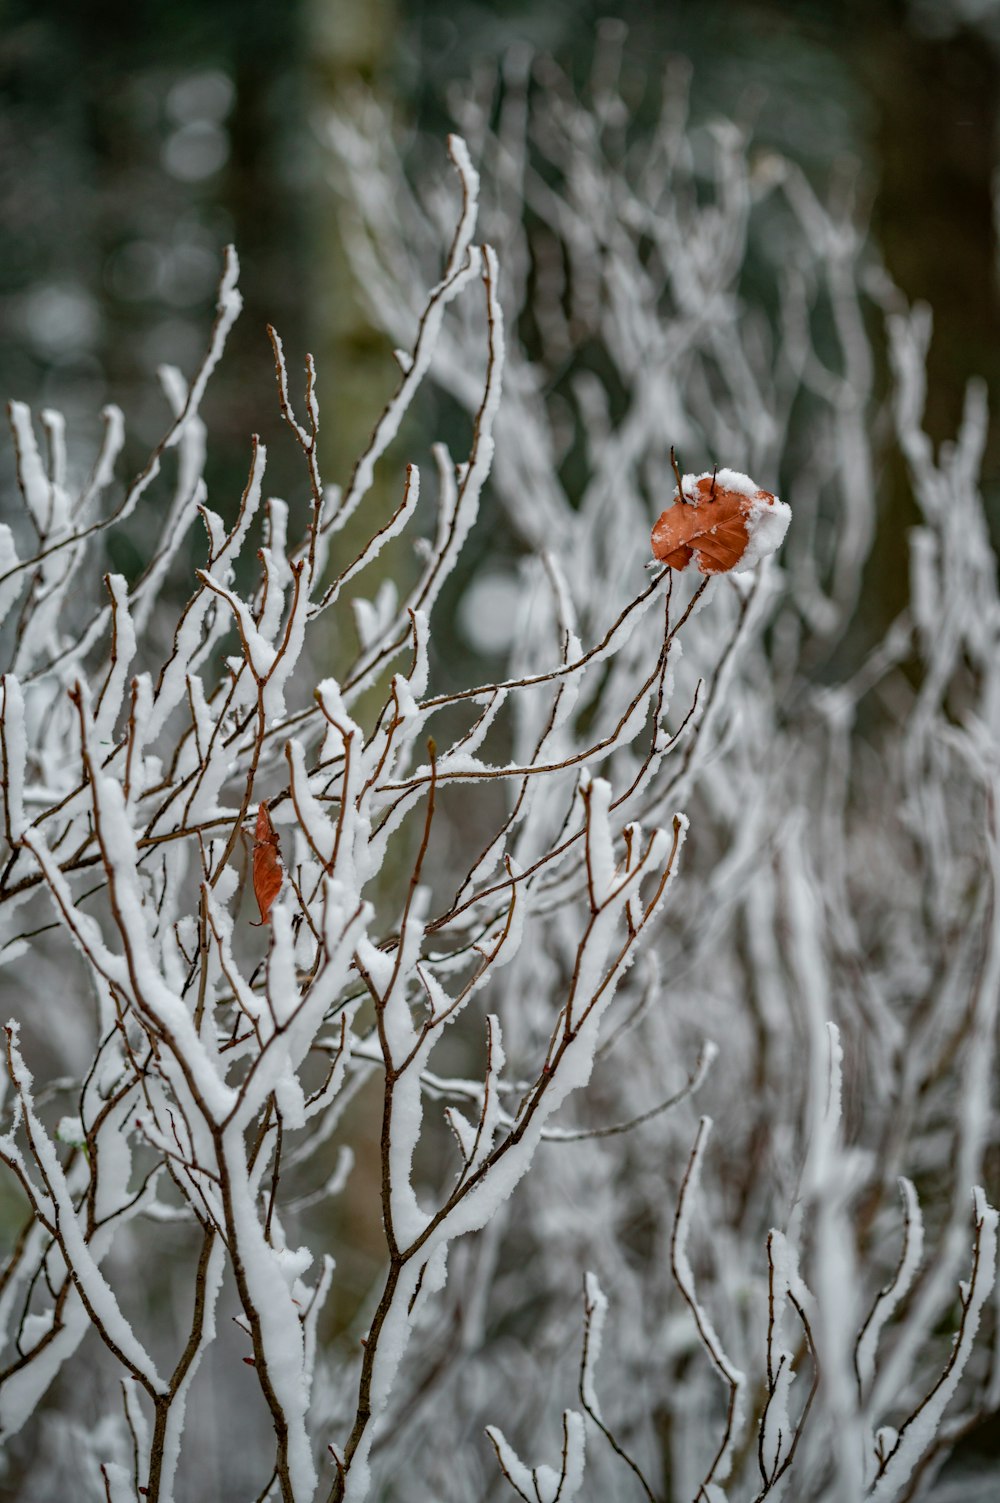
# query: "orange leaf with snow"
722 521
268 873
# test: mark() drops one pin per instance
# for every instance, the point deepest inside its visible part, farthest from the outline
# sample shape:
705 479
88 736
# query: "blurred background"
136 141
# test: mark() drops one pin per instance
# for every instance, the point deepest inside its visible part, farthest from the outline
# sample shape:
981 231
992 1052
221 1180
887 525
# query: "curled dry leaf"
268 873
721 520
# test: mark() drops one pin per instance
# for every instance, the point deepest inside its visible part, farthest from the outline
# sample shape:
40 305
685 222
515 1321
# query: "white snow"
766 527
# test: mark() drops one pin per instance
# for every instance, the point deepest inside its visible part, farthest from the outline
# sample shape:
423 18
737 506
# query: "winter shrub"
643 998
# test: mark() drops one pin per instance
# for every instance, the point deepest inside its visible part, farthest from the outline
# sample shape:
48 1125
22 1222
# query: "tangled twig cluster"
513 843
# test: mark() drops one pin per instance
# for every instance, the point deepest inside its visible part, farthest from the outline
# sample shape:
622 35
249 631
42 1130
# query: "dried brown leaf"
709 526
268 873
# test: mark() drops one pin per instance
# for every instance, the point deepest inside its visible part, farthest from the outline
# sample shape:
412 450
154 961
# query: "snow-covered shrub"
490 973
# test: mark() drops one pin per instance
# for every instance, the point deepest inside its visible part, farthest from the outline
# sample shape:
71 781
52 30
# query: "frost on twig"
543 1484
